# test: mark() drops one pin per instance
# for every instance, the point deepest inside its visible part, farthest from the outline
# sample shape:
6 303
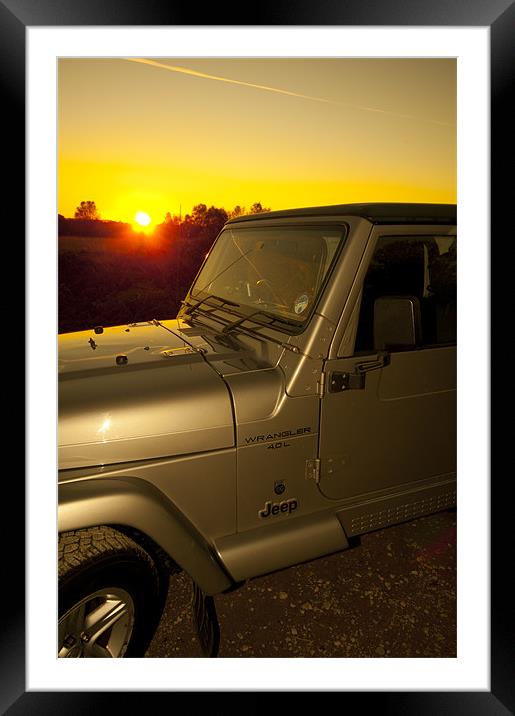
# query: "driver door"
388 424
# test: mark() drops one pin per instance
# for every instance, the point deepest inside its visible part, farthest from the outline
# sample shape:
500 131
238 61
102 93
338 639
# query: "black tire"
105 576
206 622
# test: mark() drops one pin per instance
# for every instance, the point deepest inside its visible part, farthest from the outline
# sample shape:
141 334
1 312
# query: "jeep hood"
137 392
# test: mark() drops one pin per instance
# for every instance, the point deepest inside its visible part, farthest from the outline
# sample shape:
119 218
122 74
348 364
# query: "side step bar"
290 541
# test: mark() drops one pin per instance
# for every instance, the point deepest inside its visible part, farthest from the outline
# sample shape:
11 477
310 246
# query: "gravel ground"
392 596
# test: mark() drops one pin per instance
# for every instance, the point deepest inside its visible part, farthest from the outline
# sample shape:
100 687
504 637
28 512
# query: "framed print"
35 35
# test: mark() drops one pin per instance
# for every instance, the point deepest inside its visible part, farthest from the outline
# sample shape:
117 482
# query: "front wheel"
109 595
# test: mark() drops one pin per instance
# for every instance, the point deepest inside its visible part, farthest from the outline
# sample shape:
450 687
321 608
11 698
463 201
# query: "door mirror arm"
383 359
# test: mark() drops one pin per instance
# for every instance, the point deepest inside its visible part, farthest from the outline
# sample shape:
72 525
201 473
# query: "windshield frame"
248 312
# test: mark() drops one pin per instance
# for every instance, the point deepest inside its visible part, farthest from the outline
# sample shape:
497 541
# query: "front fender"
132 502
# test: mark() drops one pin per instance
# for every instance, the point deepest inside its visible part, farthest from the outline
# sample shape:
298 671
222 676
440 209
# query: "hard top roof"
387 213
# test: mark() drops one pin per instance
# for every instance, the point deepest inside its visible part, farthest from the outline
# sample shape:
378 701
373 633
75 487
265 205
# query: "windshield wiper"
241 320
249 331
190 309
273 319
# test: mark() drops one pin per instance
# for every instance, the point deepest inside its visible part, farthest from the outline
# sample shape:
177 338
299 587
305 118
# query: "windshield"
279 270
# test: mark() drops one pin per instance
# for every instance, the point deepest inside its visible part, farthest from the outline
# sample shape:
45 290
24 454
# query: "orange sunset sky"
163 134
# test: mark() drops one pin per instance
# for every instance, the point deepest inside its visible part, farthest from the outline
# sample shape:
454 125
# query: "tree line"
201 222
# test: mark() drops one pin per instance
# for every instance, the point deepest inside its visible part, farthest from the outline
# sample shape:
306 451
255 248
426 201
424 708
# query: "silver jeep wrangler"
304 395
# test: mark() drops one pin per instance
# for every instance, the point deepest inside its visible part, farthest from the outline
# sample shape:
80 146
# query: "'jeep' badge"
275 508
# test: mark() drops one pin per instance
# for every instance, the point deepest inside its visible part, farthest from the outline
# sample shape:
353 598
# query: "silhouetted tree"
198 214
203 222
256 208
237 211
214 219
169 228
169 219
87 210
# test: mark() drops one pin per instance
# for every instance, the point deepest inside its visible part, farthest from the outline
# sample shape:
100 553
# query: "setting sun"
142 218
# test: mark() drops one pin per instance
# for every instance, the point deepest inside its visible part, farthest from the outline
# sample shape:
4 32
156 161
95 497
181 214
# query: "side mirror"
397 323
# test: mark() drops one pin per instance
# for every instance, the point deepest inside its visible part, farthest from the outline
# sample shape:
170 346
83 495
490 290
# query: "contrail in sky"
196 73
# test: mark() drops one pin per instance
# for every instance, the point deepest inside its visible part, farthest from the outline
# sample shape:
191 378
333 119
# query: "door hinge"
321 384
313 470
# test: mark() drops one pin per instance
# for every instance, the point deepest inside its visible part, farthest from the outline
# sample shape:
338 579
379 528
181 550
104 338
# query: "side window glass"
421 268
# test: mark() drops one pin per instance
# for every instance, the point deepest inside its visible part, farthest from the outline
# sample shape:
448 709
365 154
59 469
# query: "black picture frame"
15 17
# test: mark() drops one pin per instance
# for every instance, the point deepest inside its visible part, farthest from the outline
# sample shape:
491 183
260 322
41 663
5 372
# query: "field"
110 281
103 245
